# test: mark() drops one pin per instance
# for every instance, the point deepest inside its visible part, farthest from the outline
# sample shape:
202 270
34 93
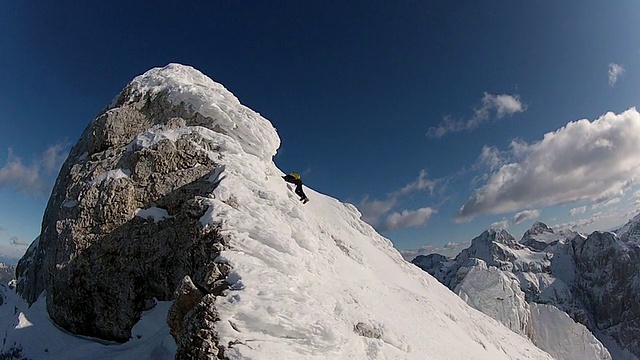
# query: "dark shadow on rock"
104 289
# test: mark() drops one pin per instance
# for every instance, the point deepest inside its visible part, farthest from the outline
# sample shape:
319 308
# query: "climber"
294 178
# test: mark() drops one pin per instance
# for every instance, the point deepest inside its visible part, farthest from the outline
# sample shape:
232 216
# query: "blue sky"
429 116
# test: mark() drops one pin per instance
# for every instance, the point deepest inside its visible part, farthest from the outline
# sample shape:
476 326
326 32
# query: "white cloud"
450 249
578 210
421 183
504 224
525 215
373 210
32 178
567 165
501 105
615 71
489 157
456 245
612 202
636 194
18 242
406 219
410 254
578 224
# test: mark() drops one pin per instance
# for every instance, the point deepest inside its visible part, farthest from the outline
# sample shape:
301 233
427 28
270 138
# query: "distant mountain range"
8 260
7 273
533 284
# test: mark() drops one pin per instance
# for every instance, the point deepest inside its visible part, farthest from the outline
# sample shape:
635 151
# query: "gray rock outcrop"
122 228
608 283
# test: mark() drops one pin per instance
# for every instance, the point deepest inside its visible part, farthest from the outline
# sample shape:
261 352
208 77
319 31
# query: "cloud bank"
407 218
32 178
373 211
578 210
450 249
500 105
585 159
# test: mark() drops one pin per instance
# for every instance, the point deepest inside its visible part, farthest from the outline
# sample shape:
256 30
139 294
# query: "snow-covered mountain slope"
630 232
172 194
589 279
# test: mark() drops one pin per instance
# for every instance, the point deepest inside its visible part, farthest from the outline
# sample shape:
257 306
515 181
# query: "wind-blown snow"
111 174
309 281
155 213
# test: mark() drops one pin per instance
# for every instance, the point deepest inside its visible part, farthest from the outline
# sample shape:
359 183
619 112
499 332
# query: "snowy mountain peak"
539 228
539 236
190 89
500 236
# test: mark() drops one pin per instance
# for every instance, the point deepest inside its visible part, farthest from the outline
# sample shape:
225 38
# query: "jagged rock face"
191 320
434 264
609 283
100 264
535 237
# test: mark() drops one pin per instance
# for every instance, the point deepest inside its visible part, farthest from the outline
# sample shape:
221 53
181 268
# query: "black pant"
299 192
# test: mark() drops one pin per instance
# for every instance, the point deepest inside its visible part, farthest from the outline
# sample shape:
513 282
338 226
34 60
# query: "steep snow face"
497 294
566 339
299 281
313 281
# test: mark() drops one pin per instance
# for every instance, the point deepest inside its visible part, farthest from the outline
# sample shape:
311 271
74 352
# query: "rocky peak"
539 228
538 237
122 227
493 246
498 236
434 264
609 281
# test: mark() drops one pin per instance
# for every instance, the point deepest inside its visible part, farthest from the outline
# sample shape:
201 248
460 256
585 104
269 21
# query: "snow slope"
309 281
29 333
